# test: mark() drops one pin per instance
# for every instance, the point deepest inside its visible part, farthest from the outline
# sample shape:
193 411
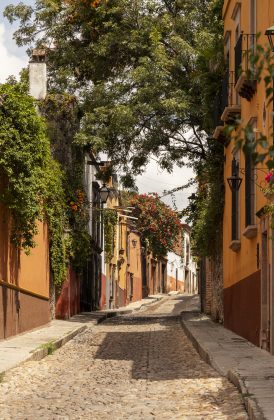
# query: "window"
227 43
236 16
235 202
250 185
249 190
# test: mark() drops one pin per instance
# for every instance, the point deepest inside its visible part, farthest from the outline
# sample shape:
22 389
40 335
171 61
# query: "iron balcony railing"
225 98
218 110
244 49
228 92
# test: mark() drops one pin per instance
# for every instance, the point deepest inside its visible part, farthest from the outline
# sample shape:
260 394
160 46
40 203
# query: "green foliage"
146 73
62 117
56 216
49 347
158 224
205 213
22 147
110 220
149 63
32 187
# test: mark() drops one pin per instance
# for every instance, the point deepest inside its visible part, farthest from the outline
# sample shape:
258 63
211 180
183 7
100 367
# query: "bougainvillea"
158 224
270 178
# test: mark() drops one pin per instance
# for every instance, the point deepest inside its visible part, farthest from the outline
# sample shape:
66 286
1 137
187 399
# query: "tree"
145 72
159 225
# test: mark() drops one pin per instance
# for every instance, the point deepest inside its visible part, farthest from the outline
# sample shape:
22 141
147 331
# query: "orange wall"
30 272
171 284
135 265
241 264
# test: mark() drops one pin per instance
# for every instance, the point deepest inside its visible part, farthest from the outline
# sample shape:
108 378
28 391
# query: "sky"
13 59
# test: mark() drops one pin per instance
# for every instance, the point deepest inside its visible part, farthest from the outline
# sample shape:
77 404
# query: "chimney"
38 74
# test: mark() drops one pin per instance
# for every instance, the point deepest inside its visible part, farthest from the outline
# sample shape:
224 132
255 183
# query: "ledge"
250 231
218 132
235 246
230 112
245 87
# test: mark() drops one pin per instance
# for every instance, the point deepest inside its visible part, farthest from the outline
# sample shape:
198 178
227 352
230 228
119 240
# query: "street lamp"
234 181
104 194
192 199
270 35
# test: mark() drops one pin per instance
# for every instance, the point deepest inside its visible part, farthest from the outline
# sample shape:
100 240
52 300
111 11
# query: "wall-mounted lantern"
104 194
134 243
234 181
270 35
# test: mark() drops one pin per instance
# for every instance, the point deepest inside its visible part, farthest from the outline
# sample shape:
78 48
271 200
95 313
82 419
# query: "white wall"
174 266
190 266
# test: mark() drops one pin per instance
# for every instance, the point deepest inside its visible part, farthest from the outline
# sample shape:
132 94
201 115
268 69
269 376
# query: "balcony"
218 108
232 111
245 81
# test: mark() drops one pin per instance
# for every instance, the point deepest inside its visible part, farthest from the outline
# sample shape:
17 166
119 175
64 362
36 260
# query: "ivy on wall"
110 219
33 189
62 117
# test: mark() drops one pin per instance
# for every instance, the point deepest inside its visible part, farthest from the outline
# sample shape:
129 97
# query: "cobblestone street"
139 366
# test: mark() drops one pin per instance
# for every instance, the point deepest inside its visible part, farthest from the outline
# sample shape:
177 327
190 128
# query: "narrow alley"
139 366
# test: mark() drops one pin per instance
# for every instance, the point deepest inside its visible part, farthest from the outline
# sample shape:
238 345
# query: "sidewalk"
135 306
248 367
37 344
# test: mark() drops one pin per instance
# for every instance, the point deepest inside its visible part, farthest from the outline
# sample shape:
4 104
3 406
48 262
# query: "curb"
251 406
47 348
41 353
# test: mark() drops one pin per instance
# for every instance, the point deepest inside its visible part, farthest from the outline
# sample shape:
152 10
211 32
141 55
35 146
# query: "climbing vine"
110 219
32 180
62 116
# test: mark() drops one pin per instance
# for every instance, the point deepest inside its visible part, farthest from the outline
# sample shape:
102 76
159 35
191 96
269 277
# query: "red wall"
242 304
68 300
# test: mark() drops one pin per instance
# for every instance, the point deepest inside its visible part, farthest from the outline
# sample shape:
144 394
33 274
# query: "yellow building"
122 282
247 244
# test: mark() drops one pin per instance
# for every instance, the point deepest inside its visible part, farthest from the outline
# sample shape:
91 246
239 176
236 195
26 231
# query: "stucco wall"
241 269
20 312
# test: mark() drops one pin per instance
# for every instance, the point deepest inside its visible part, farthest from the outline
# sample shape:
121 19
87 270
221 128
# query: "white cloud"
156 180
9 64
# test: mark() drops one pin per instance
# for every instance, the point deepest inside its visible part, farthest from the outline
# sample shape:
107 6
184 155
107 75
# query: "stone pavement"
138 366
36 344
135 306
248 367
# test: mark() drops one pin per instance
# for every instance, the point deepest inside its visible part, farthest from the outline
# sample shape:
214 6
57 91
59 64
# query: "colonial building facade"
247 236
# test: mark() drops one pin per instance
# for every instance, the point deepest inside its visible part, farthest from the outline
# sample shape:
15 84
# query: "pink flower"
270 177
